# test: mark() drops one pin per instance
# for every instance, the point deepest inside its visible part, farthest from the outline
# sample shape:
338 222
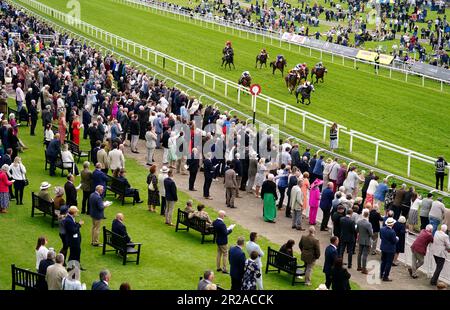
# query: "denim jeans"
435 222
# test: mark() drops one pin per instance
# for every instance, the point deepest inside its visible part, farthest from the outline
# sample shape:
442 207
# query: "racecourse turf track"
398 112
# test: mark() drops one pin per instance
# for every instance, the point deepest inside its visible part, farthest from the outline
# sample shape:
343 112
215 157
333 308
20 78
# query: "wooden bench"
46 208
120 246
20 117
118 188
25 278
60 164
77 153
195 223
284 262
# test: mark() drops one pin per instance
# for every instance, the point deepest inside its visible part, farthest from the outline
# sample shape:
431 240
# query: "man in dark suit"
73 235
193 164
237 264
96 212
388 247
52 152
33 116
99 178
347 238
103 283
208 170
86 121
295 156
171 196
119 227
71 191
331 254
222 241
94 152
326 203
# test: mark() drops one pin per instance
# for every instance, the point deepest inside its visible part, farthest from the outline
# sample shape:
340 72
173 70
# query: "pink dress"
314 199
115 109
62 129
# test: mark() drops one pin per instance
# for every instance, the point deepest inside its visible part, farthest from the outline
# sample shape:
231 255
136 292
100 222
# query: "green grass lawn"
169 260
393 120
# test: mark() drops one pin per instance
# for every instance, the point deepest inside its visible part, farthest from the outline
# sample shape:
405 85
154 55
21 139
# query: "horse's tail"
272 64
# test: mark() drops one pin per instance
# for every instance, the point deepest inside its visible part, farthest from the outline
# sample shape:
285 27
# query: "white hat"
45 185
402 219
164 169
390 221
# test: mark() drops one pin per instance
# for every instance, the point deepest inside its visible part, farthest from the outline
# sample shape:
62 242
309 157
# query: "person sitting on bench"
201 215
129 190
118 227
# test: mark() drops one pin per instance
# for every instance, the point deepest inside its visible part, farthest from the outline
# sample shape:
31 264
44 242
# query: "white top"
67 157
17 171
373 184
416 204
41 254
116 159
252 246
49 135
72 285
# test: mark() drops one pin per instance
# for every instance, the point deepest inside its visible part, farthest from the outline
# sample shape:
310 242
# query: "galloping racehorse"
262 59
227 59
278 65
303 73
245 81
319 72
305 90
292 81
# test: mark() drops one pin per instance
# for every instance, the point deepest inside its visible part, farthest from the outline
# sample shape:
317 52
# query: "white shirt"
252 246
373 184
67 157
41 254
49 135
17 171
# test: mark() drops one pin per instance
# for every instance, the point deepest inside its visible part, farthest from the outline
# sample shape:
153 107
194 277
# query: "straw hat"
390 221
45 185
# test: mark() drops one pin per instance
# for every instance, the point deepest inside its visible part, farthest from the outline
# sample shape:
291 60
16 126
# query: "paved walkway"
249 215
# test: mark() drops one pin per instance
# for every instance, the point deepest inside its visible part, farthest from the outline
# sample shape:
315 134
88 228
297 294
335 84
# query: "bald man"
119 227
222 233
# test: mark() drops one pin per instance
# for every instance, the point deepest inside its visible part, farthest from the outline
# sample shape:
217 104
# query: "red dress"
76 132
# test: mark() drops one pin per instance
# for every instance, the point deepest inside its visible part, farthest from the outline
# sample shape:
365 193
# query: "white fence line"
151 55
268 35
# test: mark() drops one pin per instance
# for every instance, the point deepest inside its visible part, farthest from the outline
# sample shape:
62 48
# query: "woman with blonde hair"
76 126
260 175
18 173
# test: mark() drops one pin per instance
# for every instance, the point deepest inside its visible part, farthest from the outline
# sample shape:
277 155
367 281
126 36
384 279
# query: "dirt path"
249 214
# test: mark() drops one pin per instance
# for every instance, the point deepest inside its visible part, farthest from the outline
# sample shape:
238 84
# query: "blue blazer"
120 229
236 258
326 201
96 206
388 240
221 232
330 257
100 286
53 148
73 236
171 189
99 178
208 168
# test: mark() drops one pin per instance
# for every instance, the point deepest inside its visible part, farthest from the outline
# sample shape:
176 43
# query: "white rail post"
408 172
285 114
226 88
303 122
448 185
324 132
268 106
337 135
332 58
184 69
239 94
442 88
406 76
390 73
193 75
423 80
310 51
354 63
376 153
204 78
351 142
214 82
176 67
156 58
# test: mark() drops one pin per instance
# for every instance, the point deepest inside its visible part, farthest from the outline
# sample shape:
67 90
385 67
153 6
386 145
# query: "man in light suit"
102 158
296 201
253 246
237 264
222 241
116 158
208 278
365 233
56 273
103 283
97 208
310 247
331 254
230 185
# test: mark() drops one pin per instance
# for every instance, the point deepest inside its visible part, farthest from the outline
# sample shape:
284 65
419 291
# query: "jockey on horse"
318 65
262 58
228 54
245 79
279 58
305 90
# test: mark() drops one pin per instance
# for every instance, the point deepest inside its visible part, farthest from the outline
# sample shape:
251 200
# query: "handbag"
25 180
151 186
